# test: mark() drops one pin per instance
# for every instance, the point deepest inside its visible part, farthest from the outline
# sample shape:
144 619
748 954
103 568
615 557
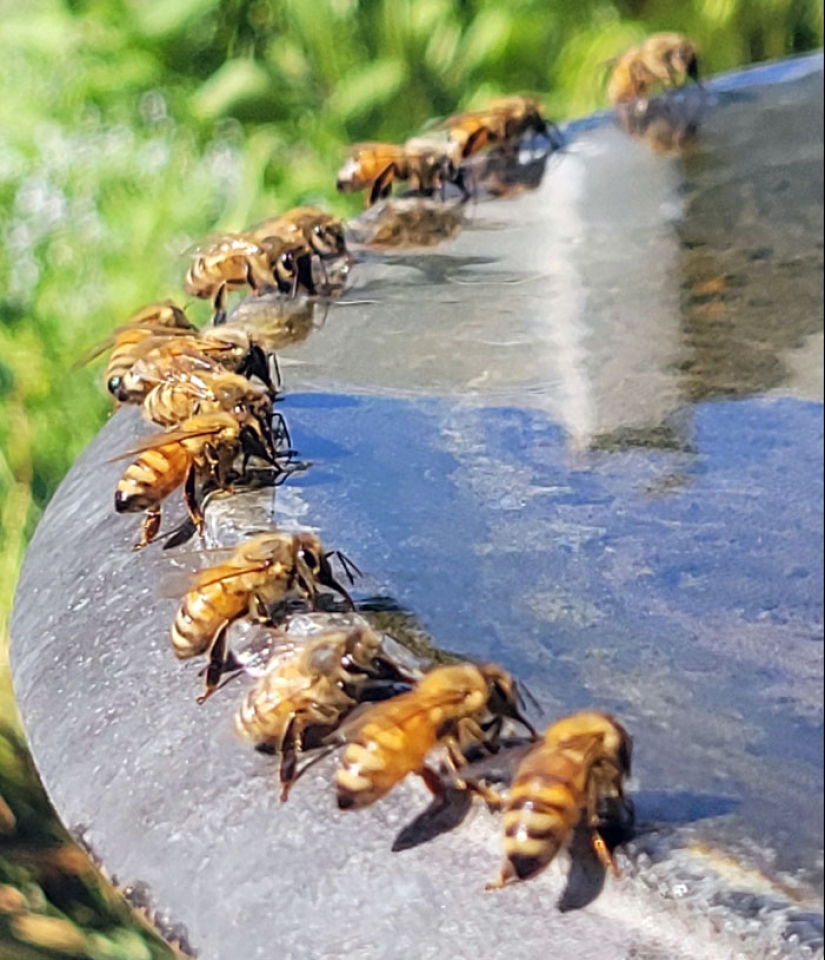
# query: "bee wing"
164 438
182 581
93 352
273 227
378 146
394 712
240 243
226 571
458 118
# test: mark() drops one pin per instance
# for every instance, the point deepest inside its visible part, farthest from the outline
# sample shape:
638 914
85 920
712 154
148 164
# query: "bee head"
503 697
329 239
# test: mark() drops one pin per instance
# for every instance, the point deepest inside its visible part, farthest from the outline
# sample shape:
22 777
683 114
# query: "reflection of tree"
752 244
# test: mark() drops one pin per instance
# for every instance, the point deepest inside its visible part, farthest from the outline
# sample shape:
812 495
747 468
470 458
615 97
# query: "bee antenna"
525 696
347 565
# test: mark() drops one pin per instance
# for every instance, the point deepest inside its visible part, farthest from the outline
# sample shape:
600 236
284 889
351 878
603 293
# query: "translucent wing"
398 710
167 437
225 244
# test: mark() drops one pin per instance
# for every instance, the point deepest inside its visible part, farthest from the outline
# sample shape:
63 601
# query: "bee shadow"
646 814
585 879
448 812
442 815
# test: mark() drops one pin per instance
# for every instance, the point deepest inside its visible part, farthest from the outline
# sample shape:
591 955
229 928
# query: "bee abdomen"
166 404
358 780
257 724
197 623
537 823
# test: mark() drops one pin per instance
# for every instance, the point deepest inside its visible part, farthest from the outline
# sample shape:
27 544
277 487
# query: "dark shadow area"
443 814
655 807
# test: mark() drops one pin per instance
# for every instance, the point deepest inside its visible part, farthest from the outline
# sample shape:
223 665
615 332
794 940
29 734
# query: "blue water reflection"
694 609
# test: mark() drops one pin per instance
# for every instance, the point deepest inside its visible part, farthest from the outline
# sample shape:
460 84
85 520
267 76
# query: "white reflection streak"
562 314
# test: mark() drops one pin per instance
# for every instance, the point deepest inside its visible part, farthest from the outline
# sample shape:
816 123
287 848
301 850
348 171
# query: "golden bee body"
256 261
393 738
308 689
148 328
323 233
208 442
583 758
263 571
503 121
664 59
171 402
174 359
427 163
231 261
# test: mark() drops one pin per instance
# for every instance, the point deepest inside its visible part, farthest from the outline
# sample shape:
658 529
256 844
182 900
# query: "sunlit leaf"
365 89
235 82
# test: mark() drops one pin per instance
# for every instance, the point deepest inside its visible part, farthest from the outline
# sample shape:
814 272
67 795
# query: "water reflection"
542 465
626 287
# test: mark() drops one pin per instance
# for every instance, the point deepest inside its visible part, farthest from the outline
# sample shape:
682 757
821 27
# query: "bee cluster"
214 391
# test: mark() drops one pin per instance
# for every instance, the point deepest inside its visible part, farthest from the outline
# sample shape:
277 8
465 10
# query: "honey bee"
670 128
148 328
428 163
236 260
309 688
230 261
321 231
502 122
264 571
411 222
582 759
174 359
665 59
453 707
205 444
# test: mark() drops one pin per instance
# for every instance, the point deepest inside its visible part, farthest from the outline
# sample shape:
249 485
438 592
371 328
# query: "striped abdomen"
152 477
123 356
226 264
171 402
542 810
383 752
203 613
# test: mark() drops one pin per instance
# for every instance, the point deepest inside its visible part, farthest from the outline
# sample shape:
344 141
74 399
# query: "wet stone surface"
582 438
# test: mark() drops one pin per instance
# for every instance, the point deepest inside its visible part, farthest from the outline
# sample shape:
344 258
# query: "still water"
584 438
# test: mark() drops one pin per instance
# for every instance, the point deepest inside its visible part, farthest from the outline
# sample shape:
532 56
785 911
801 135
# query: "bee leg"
215 668
382 184
260 613
219 304
507 874
249 276
599 846
303 275
605 856
554 135
290 748
256 365
460 182
149 530
191 500
433 782
472 140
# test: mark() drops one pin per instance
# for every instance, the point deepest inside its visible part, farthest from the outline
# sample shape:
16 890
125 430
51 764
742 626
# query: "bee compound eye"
114 385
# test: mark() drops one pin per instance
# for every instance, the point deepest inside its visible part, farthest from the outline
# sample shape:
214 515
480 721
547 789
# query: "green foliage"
52 900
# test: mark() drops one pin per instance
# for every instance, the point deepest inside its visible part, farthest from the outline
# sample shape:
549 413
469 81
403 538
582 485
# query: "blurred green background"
130 128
